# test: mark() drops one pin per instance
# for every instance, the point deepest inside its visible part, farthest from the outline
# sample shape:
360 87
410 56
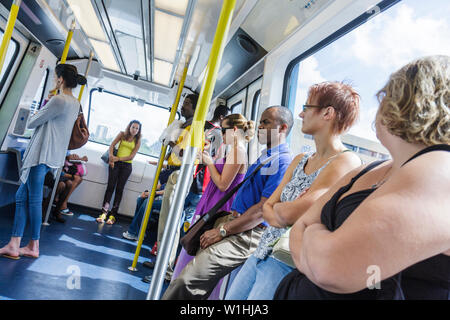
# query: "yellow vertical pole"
88 68
173 113
212 70
13 12
189 154
67 45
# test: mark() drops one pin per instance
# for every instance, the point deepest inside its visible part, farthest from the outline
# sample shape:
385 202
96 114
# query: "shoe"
58 217
147 279
149 264
111 220
129 236
154 251
66 212
101 218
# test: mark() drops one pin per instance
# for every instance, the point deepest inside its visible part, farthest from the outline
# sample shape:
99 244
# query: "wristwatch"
223 232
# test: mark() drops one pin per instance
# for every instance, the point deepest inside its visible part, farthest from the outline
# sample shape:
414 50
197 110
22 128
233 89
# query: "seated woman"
225 174
331 109
70 178
120 168
387 220
133 230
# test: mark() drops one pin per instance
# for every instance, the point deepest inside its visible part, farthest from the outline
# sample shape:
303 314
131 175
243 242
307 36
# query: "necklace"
383 180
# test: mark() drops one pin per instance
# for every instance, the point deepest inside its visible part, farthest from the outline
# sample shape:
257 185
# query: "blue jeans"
190 205
29 203
258 279
141 205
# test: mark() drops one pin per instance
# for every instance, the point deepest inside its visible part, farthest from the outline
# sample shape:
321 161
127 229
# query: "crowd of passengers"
320 225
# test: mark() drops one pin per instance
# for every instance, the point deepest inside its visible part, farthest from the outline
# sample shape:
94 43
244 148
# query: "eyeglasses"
306 106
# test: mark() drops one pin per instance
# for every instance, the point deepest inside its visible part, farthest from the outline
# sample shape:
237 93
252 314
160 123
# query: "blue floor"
79 259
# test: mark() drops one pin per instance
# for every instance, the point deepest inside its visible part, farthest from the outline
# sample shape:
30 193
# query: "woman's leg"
20 220
134 226
123 175
244 281
269 273
113 175
75 183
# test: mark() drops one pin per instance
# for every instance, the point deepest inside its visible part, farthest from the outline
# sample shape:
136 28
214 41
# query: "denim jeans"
258 279
141 206
29 203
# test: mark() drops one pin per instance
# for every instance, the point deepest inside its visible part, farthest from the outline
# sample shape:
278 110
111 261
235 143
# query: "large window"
366 56
110 113
11 55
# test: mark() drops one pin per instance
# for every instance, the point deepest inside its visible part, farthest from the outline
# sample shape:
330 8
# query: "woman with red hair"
331 109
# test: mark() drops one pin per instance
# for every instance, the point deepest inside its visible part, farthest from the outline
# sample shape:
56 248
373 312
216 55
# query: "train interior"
139 49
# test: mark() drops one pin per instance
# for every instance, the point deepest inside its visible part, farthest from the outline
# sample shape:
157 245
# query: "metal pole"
68 40
55 186
14 11
190 153
88 68
162 155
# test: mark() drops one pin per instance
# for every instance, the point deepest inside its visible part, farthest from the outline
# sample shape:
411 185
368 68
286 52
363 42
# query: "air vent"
55 42
246 44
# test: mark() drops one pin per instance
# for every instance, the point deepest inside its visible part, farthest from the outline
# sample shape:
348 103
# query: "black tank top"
428 279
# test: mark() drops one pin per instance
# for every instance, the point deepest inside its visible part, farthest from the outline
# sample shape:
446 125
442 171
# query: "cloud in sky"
367 56
391 40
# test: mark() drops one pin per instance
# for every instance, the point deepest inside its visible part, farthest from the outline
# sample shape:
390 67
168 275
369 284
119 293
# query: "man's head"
220 113
189 105
275 125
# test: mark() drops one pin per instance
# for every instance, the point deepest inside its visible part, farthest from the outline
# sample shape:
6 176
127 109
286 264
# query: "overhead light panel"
86 17
167 35
175 6
161 72
105 54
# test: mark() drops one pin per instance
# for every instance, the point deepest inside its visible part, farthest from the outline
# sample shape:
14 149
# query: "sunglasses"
224 130
306 106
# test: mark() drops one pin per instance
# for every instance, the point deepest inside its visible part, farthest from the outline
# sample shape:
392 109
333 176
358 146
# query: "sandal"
111 220
101 218
66 212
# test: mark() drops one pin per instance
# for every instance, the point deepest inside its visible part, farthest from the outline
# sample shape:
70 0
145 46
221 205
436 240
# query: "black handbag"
191 241
105 155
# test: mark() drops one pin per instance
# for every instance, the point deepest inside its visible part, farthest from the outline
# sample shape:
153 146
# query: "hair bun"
81 80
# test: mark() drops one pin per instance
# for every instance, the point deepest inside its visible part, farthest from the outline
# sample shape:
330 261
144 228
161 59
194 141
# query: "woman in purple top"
226 173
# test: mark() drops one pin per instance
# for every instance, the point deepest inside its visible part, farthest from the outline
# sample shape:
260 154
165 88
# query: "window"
40 94
11 55
377 46
237 107
110 113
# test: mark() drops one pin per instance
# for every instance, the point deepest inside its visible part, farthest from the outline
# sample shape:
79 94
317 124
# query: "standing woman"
46 152
226 173
120 168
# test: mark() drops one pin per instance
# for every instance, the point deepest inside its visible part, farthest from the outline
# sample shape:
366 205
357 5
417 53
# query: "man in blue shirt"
236 236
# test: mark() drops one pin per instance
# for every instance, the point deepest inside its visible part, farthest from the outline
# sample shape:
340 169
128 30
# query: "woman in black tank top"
383 232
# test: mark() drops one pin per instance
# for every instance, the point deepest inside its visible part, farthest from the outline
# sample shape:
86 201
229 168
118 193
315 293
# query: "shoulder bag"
80 132
191 241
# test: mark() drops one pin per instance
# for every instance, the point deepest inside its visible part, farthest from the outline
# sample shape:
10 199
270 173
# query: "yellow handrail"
88 68
67 45
212 70
173 113
8 31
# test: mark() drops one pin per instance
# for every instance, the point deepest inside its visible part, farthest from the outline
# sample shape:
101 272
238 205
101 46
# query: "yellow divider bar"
67 45
8 31
212 70
173 113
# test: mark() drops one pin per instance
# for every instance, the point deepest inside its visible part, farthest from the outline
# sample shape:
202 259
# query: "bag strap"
227 197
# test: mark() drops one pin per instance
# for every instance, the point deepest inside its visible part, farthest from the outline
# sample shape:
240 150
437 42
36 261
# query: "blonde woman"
386 226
